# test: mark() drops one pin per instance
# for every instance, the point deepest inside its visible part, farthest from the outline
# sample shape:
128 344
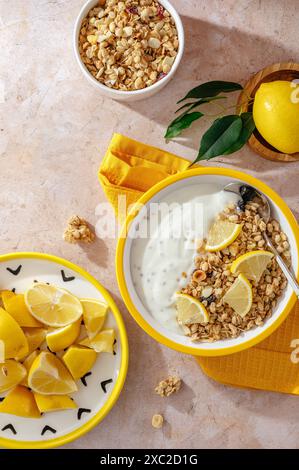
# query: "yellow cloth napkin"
130 168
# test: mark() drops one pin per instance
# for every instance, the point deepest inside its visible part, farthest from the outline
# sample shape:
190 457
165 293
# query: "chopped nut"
168 386
77 231
157 421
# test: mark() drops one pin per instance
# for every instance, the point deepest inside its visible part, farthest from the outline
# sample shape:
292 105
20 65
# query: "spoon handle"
288 274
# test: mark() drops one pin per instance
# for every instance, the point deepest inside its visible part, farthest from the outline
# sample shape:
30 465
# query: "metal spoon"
248 193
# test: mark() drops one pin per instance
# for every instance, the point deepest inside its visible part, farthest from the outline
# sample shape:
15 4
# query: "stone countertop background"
54 130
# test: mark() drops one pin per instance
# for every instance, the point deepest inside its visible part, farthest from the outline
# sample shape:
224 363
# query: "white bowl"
180 342
129 95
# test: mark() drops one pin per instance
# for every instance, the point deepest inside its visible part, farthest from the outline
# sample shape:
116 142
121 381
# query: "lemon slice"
53 306
49 376
79 360
252 264
12 336
222 234
35 337
20 402
46 403
16 307
190 310
62 338
239 296
102 342
27 364
94 315
11 374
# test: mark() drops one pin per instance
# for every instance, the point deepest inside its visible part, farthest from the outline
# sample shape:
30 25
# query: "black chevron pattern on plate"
83 379
81 411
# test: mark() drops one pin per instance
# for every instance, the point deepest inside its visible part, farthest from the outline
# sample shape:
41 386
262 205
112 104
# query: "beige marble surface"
54 130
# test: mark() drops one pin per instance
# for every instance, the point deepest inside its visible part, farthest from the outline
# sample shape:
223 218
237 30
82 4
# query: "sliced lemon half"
222 234
252 264
49 376
62 338
53 306
239 296
190 310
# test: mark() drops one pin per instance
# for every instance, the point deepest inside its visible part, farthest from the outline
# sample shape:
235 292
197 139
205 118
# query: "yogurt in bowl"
155 254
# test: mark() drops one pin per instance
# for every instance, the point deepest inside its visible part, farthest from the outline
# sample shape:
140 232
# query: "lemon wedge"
16 307
13 337
190 310
252 264
53 306
4 295
222 234
102 342
62 338
239 296
79 360
20 402
94 315
49 376
46 403
11 374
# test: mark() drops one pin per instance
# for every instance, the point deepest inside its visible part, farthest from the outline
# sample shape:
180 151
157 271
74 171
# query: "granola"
128 45
77 231
157 421
212 277
167 387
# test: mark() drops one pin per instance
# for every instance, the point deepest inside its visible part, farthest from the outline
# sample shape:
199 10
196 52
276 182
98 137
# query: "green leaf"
247 129
180 123
199 102
223 133
210 89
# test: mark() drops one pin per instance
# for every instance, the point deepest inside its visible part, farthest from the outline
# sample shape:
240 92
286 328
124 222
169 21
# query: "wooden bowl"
281 71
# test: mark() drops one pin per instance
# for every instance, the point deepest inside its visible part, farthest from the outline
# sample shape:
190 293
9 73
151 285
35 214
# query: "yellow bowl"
18 270
219 176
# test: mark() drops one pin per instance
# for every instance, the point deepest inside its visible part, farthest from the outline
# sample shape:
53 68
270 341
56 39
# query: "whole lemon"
276 114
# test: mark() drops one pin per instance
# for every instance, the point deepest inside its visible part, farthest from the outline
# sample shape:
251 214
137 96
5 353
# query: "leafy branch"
227 134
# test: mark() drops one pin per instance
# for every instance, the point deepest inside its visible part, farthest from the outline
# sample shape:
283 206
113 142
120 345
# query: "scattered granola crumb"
78 231
168 386
157 421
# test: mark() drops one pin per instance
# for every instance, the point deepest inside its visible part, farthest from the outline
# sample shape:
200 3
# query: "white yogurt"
159 259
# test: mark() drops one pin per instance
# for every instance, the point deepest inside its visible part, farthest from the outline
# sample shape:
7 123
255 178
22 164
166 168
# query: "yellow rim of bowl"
121 247
100 415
